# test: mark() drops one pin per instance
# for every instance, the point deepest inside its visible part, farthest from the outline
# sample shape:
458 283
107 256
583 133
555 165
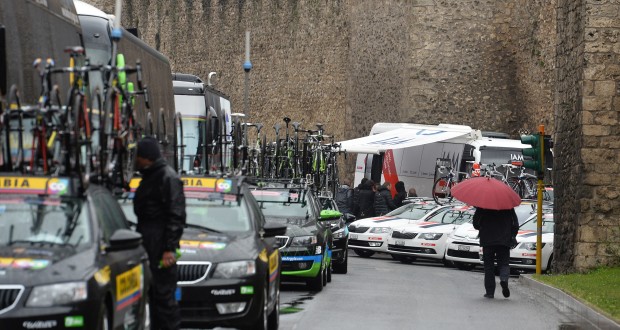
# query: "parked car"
463 244
68 258
370 235
427 239
331 216
307 245
523 257
229 269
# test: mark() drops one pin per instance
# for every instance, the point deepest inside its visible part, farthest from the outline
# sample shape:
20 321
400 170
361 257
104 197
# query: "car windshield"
413 211
456 215
226 215
283 203
43 220
525 210
548 225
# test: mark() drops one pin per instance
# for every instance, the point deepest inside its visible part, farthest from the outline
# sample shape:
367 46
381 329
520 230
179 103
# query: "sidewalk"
591 319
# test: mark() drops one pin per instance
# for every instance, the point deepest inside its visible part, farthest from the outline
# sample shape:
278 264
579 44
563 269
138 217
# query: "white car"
523 257
427 239
463 245
368 236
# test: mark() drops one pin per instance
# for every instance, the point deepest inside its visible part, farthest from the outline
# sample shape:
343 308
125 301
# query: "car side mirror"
124 239
348 217
273 229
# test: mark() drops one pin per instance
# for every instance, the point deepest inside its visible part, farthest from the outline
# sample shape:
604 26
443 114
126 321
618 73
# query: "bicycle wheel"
442 190
82 137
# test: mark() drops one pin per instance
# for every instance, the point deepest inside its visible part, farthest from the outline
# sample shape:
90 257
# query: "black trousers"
165 311
491 253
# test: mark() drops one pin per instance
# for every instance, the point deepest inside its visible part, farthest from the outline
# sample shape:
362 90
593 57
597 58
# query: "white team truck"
409 152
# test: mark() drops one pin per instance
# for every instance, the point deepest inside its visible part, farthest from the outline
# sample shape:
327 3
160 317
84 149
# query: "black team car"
338 222
229 269
68 259
307 245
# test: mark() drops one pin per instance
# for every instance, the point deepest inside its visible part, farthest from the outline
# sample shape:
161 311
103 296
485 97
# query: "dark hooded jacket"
159 204
366 201
344 198
496 227
401 194
383 201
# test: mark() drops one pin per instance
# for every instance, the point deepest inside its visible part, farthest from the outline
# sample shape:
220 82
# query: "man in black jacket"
498 231
383 199
159 204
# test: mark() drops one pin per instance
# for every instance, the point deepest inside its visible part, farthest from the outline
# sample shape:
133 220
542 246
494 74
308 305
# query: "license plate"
463 247
399 242
353 236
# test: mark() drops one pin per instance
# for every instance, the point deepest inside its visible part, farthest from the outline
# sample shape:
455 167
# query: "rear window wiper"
191 225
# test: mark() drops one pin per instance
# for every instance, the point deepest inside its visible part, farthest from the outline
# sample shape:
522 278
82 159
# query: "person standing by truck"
159 204
383 199
367 200
401 194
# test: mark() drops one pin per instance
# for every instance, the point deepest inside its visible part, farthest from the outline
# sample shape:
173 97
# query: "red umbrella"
486 193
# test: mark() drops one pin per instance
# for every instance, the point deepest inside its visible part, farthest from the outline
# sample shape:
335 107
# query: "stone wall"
588 212
484 63
351 63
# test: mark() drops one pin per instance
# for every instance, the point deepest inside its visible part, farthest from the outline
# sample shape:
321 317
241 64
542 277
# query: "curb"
592 318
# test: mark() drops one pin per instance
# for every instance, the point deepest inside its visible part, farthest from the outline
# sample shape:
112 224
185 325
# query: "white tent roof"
415 135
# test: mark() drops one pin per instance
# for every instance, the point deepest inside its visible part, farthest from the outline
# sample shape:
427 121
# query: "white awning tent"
412 136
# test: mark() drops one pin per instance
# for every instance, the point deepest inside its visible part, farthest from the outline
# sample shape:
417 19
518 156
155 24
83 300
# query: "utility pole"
247 66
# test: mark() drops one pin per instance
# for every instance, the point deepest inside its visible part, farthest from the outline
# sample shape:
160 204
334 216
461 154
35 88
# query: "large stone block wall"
588 212
351 63
568 169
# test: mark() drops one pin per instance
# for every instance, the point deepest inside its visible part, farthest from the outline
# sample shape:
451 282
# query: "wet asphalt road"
379 293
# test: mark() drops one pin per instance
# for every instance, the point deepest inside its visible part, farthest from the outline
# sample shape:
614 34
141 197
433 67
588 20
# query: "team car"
307 245
68 259
523 256
368 236
427 239
229 269
463 244
332 217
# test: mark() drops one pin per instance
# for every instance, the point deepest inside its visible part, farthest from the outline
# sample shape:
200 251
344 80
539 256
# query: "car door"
127 266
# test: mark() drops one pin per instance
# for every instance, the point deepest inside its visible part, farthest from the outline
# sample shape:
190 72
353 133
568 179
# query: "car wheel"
329 273
104 317
363 253
273 321
341 268
464 265
317 283
548 269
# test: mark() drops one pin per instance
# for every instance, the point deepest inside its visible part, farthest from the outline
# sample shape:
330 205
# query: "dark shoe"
488 295
505 290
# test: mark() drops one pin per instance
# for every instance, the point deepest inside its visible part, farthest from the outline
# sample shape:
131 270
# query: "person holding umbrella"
497 222
497 232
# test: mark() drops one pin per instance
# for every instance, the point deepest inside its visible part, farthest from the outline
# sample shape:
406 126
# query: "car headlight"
303 240
57 294
430 236
380 230
338 234
235 269
530 246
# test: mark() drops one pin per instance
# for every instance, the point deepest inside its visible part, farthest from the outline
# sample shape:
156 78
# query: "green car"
306 247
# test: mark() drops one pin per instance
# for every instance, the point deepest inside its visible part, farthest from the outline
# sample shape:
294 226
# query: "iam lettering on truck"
128 287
